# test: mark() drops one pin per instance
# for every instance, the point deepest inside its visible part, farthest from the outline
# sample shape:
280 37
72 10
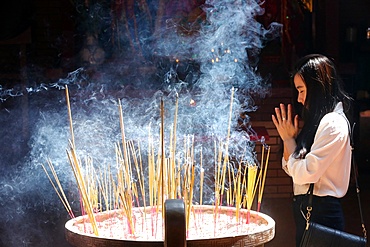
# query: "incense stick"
251 188
201 178
59 192
162 167
75 164
76 169
262 187
70 117
168 177
226 157
173 149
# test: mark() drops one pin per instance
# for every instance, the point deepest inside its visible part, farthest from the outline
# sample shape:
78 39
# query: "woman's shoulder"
334 121
336 115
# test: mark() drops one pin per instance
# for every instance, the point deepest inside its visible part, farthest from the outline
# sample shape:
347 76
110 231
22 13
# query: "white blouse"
328 164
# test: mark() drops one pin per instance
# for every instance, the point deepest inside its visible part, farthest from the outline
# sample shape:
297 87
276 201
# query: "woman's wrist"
289 147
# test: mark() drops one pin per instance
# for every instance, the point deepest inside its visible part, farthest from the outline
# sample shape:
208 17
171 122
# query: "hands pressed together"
285 123
287 127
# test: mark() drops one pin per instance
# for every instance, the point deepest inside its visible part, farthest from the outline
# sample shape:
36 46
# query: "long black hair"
324 91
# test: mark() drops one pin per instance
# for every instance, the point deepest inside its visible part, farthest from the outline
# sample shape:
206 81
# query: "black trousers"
326 210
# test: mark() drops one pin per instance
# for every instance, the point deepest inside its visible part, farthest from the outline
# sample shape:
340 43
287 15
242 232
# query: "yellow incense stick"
60 194
162 154
264 177
226 157
201 178
70 117
75 164
173 147
252 171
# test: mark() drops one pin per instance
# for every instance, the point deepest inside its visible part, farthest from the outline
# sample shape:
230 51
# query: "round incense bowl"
208 226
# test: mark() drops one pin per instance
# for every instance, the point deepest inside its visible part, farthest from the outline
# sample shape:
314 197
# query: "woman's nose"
299 99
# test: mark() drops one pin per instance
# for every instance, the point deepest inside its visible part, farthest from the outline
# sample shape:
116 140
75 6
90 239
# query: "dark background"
42 41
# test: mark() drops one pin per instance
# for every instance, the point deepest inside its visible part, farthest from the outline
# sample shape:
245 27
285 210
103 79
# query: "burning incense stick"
218 182
189 204
151 169
75 164
162 167
105 187
126 204
238 184
168 177
201 178
173 150
124 144
226 157
139 170
263 180
70 116
230 191
59 190
251 188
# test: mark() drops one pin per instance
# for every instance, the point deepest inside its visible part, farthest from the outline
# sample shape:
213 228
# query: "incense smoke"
219 56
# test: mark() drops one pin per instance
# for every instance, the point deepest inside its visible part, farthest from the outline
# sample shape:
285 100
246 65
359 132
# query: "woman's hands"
287 128
286 125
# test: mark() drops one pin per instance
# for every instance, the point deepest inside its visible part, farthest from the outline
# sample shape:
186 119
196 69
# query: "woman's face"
301 88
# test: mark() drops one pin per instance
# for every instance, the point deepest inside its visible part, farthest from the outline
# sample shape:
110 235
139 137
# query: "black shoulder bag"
316 235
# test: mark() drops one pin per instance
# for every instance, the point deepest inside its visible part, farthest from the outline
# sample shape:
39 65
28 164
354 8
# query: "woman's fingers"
283 112
285 123
278 115
275 121
289 116
296 123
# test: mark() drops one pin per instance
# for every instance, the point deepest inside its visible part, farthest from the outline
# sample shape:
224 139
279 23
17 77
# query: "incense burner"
207 226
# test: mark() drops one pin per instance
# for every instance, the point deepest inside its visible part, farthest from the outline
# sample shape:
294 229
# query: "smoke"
199 64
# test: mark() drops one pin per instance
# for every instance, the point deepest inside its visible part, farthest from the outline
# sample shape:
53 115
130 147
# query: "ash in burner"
204 227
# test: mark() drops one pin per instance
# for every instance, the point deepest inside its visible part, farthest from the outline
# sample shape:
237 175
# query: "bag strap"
354 173
309 205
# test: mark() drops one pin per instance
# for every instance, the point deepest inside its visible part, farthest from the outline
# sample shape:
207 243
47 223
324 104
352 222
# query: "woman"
320 153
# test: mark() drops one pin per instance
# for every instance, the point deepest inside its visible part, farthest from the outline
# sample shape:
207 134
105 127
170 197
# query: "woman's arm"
330 146
289 147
